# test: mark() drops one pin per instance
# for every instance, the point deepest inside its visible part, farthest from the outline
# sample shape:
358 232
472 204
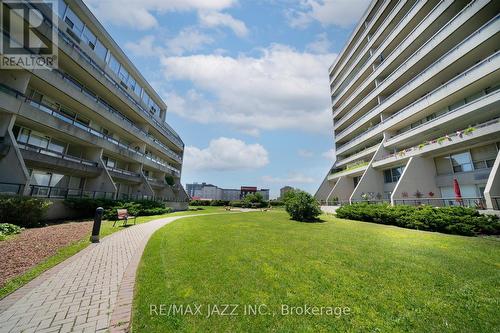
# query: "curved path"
90 292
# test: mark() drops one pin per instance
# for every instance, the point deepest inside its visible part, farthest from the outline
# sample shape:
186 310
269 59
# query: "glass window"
387 176
41 178
74 22
113 63
396 173
58 180
138 90
461 162
123 74
38 139
100 50
61 8
57 146
89 38
131 83
24 135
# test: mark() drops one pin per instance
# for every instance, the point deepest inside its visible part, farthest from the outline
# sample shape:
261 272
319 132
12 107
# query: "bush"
199 203
236 203
219 202
85 208
302 206
276 203
7 229
23 211
451 220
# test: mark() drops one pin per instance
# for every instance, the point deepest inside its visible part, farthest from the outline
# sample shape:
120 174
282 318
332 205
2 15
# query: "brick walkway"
83 293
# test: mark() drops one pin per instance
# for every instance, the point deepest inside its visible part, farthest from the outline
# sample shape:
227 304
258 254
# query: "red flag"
456 189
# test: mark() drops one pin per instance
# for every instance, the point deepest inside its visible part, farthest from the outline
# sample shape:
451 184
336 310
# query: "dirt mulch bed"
32 246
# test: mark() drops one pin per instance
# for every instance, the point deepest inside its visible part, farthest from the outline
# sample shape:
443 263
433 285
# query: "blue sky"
246 82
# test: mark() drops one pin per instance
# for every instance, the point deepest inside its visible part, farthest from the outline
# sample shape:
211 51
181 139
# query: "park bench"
122 214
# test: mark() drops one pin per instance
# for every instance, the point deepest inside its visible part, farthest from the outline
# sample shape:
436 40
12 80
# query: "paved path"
89 292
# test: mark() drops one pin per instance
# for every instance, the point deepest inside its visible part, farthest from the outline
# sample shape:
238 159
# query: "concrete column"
325 189
103 182
419 175
343 189
373 179
493 186
13 169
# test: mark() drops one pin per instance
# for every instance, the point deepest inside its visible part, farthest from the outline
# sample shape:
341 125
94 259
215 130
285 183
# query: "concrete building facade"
206 191
284 190
416 104
91 127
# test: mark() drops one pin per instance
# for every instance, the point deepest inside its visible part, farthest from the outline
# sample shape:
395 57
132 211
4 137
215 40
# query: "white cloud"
329 155
214 19
305 153
342 13
293 178
145 46
225 154
139 14
279 89
321 45
188 40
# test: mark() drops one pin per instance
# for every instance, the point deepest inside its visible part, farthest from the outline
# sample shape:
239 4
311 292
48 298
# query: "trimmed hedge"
450 220
199 203
85 208
25 212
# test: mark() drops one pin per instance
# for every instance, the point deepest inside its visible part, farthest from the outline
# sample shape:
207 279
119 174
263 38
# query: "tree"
169 180
302 206
253 199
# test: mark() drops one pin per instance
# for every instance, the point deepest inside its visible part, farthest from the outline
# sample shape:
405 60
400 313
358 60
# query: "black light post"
97 225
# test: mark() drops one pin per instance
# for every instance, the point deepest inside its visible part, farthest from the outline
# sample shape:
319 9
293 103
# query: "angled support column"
103 182
12 167
492 190
372 180
418 175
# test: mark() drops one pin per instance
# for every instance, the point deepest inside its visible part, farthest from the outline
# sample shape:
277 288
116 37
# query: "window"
57 146
109 162
100 50
131 83
393 175
356 180
74 22
61 8
123 74
138 89
113 63
89 38
461 162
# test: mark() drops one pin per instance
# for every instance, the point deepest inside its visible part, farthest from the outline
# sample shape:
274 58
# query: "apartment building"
416 105
212 192
90 127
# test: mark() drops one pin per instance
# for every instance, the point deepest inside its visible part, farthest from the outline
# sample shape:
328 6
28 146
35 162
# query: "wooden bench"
122 214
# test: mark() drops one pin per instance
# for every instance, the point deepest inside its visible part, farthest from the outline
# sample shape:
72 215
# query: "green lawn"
68 251
391 279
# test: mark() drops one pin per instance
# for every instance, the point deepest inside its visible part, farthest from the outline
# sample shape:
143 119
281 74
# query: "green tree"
301 206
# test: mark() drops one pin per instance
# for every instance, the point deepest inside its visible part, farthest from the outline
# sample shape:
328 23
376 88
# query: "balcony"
66 82
458 22
444 62
155 182
129 176
354 169
479 133
363 153
64 193
476 72
53 159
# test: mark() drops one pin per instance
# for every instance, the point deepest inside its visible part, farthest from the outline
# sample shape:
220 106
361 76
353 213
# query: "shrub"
219 202
236 203
7 229
451 220
302 206
85 208
276 203
23 211
169 180
199 203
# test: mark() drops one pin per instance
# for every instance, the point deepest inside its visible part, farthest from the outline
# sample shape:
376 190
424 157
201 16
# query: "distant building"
212 192
284 190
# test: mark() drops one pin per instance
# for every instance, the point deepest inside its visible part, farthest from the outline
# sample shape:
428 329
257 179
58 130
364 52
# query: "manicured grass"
392 279
68 251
